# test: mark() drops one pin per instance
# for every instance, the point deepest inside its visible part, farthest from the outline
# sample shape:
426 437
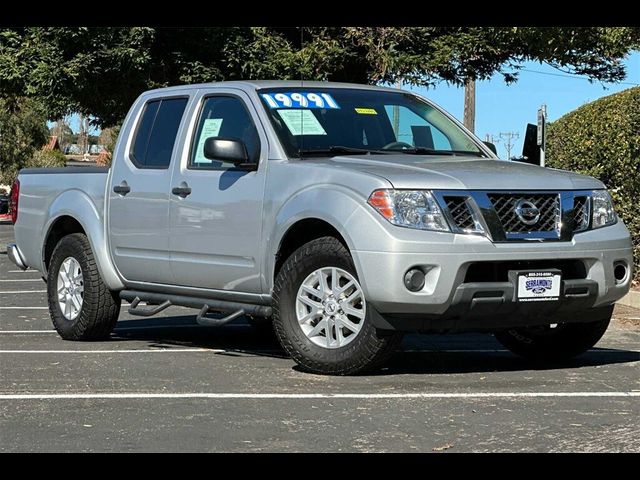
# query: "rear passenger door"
139 192
216 229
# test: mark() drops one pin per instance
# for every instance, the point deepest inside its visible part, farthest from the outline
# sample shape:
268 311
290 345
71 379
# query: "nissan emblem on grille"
527 212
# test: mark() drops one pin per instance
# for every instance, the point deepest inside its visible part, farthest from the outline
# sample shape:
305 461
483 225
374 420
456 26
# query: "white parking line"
214 350
23 280
311 396
22 291
23 271
20 332
142 350
24 308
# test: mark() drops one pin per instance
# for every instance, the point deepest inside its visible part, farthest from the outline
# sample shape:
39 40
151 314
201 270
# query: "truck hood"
463 173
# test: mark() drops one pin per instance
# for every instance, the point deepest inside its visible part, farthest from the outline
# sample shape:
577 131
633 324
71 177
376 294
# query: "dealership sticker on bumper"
538 286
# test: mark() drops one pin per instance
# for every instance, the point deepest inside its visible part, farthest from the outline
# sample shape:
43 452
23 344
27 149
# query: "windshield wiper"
339 149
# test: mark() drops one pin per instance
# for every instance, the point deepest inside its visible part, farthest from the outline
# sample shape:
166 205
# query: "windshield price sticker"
366 111
300 100
301 122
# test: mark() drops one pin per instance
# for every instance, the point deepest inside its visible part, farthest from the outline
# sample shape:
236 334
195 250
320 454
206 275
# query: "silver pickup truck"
345 214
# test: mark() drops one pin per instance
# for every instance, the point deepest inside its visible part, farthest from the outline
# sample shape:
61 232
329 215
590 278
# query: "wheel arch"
324 210
74 212
301 232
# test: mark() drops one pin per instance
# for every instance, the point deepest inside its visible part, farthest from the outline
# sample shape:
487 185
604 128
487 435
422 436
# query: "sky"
502 108
508 108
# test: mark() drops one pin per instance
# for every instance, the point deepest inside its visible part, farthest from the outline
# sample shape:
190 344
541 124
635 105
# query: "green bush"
46 159
39 159
602 139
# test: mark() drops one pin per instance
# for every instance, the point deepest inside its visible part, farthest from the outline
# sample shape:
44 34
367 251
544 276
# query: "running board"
234 310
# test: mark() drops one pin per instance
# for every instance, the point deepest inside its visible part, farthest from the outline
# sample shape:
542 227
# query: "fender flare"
79 206
329 203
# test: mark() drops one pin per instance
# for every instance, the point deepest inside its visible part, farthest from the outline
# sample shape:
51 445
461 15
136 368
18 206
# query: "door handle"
122 189
182 192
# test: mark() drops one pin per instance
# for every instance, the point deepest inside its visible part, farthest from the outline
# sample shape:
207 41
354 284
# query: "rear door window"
156 133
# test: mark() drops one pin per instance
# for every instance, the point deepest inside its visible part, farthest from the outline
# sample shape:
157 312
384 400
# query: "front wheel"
80 304
544 343
320 312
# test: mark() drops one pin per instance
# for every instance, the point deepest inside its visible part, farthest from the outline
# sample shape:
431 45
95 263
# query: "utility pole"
396 113
469 120
542 119
509 138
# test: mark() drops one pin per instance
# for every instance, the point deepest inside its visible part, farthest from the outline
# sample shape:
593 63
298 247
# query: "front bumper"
15 256
448 301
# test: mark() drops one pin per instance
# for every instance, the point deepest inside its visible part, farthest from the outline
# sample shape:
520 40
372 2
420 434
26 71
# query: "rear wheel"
80 304
544 343
320 312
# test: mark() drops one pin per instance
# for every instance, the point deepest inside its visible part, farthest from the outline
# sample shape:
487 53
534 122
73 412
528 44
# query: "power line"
575 76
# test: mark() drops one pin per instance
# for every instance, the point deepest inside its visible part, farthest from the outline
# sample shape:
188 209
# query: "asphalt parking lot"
167 384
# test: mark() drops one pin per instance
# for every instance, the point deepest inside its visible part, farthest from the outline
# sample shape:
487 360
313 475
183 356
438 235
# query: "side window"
156 133
411 128
226 117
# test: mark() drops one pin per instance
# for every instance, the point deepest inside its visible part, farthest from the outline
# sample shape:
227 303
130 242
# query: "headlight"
603 213
409 208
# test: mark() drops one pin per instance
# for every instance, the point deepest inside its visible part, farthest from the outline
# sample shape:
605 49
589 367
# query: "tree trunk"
470 104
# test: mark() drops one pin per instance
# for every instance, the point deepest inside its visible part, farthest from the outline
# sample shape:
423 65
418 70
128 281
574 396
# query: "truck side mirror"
492 147
232 150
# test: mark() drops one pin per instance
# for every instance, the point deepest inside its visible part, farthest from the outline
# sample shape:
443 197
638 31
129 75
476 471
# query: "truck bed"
44 191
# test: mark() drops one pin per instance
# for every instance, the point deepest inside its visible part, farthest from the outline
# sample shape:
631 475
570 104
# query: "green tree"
23 130
100 71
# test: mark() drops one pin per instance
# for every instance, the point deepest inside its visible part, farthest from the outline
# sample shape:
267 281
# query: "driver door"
216 230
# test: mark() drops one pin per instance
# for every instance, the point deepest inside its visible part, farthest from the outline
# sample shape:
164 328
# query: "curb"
631 299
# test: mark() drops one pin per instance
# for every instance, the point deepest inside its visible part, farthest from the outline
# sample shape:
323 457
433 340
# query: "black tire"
545 344
370 349
100 306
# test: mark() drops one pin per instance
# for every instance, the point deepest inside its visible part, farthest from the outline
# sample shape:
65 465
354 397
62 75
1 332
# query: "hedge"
602 139
39 159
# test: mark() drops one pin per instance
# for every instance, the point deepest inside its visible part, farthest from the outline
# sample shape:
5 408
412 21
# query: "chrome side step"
234 309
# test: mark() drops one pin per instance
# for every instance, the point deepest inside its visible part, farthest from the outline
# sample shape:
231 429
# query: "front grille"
460 213
581 213
548 205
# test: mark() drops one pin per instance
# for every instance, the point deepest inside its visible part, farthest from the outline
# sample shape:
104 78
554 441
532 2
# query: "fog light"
414 280
620 272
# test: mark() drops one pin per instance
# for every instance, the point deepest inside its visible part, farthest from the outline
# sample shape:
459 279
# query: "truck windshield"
313 122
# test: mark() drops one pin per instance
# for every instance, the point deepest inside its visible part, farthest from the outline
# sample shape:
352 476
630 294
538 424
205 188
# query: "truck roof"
259 84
